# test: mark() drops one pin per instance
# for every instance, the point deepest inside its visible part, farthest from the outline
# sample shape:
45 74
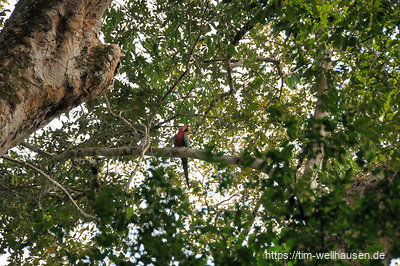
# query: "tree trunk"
314 163
51 60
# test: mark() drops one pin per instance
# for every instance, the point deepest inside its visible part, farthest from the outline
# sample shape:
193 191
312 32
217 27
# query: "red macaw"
181 139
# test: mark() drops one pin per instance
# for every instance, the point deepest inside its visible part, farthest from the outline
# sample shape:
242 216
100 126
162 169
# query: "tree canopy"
294 109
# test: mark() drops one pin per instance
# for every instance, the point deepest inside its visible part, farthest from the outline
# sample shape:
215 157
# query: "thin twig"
233 63
122 119
163 99
254 215
179 79
239 62
145 147
84 214
216 205
180 115
36 149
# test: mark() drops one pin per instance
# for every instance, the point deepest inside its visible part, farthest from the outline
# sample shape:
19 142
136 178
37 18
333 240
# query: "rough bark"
51 60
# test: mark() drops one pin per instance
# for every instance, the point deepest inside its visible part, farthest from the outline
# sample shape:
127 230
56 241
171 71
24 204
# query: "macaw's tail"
186 169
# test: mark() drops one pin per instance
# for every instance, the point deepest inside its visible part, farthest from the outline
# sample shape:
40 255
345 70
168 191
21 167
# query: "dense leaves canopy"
246 75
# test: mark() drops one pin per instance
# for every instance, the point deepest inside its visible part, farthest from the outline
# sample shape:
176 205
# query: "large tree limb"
51 60
167 152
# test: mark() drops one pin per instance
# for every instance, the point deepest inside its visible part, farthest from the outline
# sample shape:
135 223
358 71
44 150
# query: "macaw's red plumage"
181 139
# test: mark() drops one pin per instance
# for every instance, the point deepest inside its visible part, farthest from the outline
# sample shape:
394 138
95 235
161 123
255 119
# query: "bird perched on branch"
181 139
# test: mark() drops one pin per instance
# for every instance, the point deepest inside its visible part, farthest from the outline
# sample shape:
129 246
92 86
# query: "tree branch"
167 152
122 119
233 63
240 62
180 115
179 79
317 155
239 35
36 149
84 214
145 146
